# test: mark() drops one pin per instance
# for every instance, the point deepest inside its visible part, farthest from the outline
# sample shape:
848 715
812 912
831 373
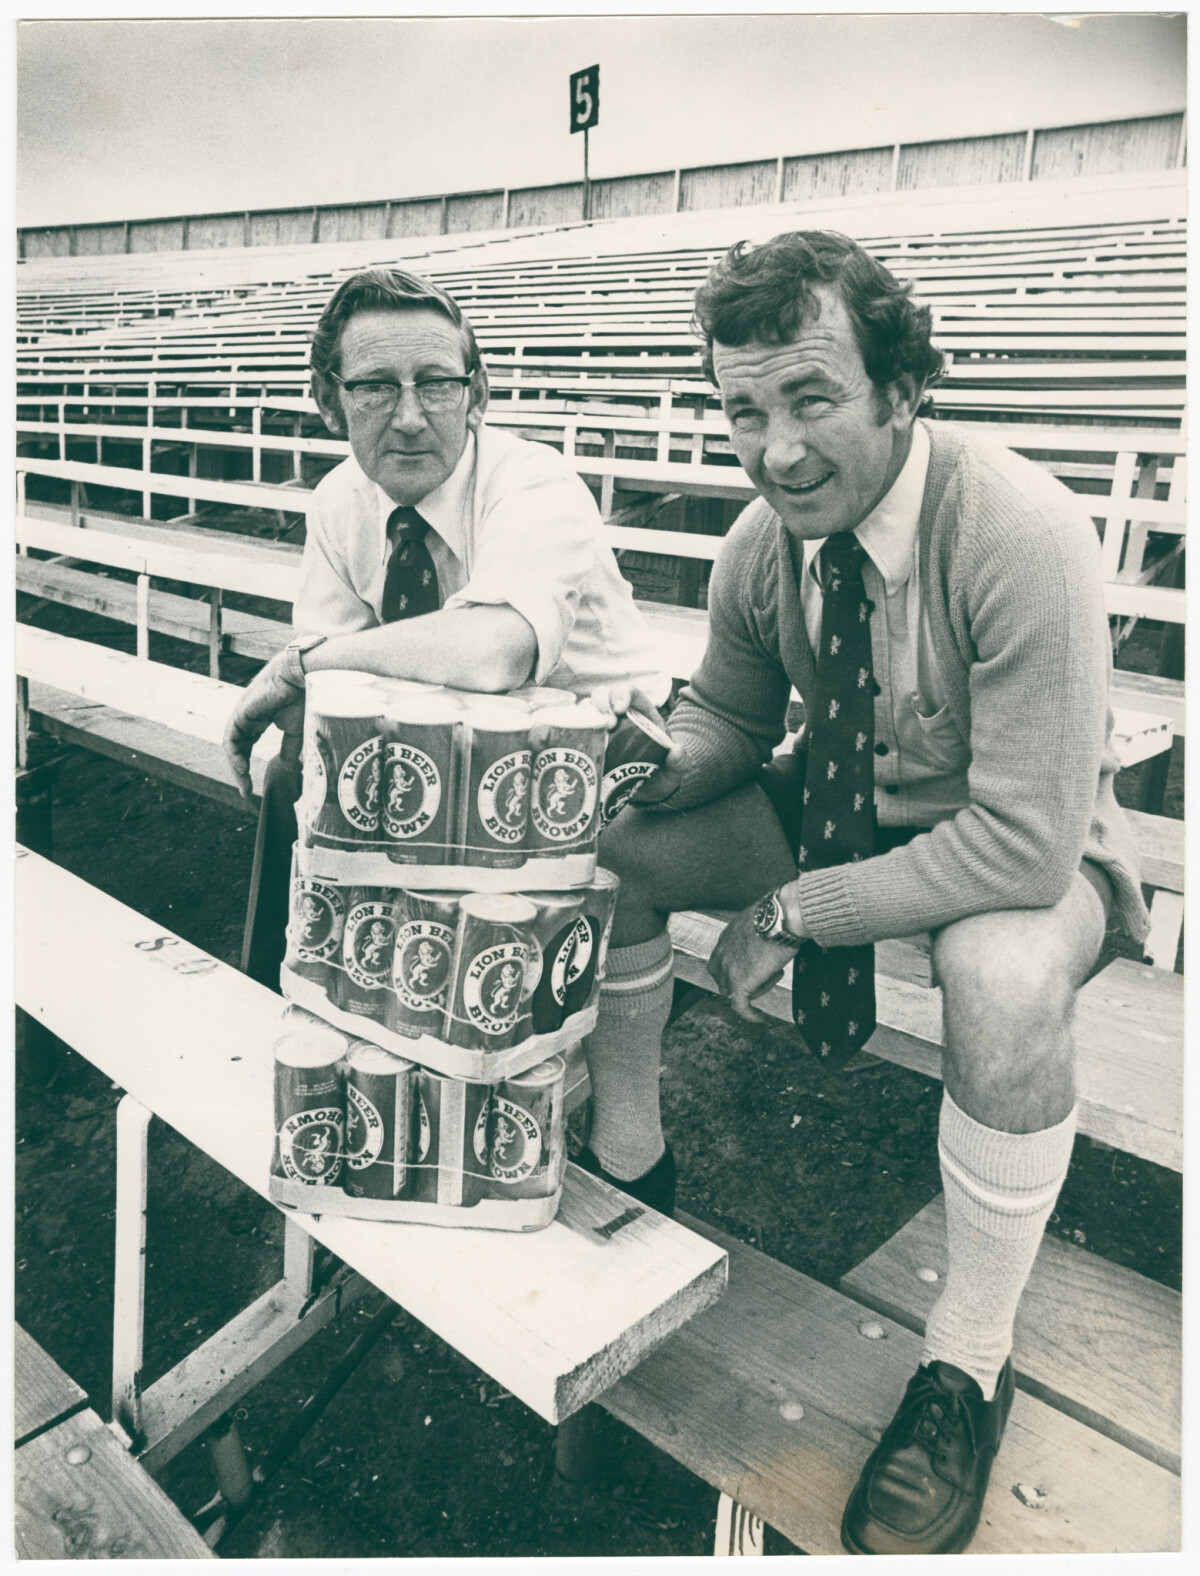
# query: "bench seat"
1094 1339
78 1492
775 1396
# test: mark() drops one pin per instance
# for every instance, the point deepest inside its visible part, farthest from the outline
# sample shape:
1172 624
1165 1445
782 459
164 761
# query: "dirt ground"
420 1454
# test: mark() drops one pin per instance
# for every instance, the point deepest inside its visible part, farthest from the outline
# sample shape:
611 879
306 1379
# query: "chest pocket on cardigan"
935 739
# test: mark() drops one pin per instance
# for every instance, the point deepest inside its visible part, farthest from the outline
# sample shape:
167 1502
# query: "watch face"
765 915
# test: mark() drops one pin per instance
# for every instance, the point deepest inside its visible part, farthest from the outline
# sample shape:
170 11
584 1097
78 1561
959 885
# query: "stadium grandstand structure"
175 388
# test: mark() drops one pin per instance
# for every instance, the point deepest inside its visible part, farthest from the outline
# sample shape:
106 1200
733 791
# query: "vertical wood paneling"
481 211
99 240
545 205
420 217
215 229
156 235
727 186
837 174
282 227
354 222
968 161
1114 148
49 243
626 196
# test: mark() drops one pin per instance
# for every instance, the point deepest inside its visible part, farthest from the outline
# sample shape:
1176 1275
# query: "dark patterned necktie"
411 584
833 989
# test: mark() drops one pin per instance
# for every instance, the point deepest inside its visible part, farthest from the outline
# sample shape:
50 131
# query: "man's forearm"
486 648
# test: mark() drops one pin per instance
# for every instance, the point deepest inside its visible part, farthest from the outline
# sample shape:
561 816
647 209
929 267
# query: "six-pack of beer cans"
424 1080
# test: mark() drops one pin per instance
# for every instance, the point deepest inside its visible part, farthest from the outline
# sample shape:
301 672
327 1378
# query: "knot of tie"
843 553
406 524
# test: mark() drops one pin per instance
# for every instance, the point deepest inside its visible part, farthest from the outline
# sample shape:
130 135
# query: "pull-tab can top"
310 1047
367 1058
410 706
338 692
506 908
541 697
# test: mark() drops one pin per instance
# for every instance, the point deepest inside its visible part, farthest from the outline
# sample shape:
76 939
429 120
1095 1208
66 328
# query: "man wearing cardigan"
995 824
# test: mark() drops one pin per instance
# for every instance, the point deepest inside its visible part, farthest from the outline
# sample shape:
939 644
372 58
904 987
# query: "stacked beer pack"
446 943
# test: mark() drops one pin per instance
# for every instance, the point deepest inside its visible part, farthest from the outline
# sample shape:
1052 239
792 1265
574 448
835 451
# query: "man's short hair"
384 290
765 293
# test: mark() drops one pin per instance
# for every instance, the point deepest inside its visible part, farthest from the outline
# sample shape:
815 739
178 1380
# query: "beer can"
422 962
487 1008
567 766
495 814
451 1165
316 923
585 967
636 748
540 697
310 1106
526 1146
553 941
342 760
420 756
380 1121
367 943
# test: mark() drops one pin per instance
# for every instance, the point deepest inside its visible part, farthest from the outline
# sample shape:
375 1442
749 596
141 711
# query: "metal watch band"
297 649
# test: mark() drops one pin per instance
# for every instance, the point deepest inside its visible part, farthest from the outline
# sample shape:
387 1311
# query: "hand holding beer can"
488 1010
310 1106
568 759
636 748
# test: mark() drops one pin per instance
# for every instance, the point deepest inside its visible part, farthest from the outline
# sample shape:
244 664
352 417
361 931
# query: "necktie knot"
406 525
843 554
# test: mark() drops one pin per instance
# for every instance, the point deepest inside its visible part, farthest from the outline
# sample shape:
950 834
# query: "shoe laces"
932 1415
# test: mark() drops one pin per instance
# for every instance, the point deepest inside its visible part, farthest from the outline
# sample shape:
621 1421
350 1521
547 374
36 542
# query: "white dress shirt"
921 775
512 525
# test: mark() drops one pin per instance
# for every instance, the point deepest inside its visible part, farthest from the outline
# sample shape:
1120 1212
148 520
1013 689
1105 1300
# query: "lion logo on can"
370 938
503 798
422 963
412 792
359 785
318 914
564 794
514 1141
619 787
364 1130
310 1146
492 987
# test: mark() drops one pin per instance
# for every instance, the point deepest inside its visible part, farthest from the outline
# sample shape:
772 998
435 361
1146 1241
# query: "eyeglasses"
380 396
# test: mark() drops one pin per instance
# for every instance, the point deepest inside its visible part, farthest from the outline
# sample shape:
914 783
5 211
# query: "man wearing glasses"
440 550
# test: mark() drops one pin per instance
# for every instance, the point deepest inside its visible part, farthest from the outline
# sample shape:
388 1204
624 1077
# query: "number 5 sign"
585 98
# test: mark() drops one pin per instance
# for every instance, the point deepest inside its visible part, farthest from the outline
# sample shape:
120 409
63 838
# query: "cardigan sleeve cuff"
827 908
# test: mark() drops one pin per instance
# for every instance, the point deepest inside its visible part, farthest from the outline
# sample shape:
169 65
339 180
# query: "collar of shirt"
446 508
889 533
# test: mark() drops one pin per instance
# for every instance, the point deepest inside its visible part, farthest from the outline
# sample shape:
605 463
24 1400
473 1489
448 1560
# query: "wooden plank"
774 1396
43 1392
555 1315
188 703
1149 692
146 746
1136 735
181 617
1092 1339
1160 846
1128 1034
79 1495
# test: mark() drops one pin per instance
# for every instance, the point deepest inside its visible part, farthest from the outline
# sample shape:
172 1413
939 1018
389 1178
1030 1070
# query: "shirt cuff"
829 911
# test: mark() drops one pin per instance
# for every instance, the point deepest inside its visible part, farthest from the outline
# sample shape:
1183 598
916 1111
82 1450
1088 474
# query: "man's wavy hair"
380 290
765 293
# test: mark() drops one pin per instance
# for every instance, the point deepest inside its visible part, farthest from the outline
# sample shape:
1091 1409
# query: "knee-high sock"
623 1056
1000 1189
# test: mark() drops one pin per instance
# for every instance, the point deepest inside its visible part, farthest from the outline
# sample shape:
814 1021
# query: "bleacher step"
43 1394
1093 1339
776 1396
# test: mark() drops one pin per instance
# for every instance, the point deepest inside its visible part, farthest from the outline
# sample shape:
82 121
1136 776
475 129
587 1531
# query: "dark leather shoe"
655 1187
922 1489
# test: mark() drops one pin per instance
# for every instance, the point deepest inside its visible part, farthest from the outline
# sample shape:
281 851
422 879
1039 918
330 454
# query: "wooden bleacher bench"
774 1394
78 1492
556 1316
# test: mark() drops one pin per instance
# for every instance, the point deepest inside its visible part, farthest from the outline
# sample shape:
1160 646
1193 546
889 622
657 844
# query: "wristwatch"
294 654
770 921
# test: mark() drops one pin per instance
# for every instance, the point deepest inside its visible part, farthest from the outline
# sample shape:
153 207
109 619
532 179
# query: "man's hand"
270 697
745 965
614 700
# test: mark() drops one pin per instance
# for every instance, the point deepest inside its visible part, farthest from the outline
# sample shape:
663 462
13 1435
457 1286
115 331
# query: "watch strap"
295 652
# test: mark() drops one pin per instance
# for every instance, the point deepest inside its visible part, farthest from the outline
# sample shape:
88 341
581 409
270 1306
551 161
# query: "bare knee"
1000 973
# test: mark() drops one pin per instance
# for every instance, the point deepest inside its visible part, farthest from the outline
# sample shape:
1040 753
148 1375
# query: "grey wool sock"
623 1057
1000 1189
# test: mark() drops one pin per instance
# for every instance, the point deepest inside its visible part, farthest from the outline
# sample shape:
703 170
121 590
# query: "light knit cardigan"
1010 575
